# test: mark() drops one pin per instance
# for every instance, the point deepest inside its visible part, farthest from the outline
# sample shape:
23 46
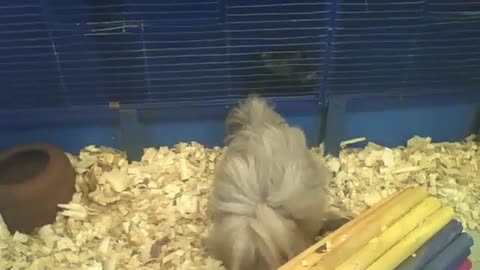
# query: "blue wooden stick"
432 247
453 254
456 264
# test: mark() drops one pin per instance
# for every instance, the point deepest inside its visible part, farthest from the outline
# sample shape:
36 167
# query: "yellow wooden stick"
368 228
335 237
381 244
414 240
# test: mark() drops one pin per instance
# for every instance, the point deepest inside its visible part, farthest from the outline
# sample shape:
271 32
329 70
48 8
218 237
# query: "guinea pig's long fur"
269 198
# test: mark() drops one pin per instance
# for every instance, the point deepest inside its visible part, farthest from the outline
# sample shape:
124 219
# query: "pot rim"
35 184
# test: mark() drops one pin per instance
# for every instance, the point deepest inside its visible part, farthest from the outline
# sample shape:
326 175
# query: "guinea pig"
270 196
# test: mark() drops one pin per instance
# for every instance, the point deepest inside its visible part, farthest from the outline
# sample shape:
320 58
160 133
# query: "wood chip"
152 214
450 171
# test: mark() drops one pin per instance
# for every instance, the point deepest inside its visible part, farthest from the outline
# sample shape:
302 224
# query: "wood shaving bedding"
152 214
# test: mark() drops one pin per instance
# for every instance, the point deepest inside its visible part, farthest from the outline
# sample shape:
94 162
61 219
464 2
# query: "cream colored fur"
269 198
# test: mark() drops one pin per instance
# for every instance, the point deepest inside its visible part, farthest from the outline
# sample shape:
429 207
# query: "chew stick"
453 254
379 245
414 240
366 229
297 260
465 265
432 247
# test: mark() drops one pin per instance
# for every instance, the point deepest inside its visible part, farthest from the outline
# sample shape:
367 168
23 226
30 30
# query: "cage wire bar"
141 54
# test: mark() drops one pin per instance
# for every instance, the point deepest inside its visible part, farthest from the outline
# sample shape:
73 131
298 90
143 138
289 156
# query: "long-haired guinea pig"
270 196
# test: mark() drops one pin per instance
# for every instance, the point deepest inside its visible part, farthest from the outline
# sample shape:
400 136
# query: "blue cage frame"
415 74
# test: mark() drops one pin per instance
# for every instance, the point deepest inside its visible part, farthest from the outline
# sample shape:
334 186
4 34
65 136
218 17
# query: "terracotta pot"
34 179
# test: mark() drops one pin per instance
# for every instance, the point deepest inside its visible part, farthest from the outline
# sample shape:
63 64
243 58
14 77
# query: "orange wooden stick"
336 237
366 229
